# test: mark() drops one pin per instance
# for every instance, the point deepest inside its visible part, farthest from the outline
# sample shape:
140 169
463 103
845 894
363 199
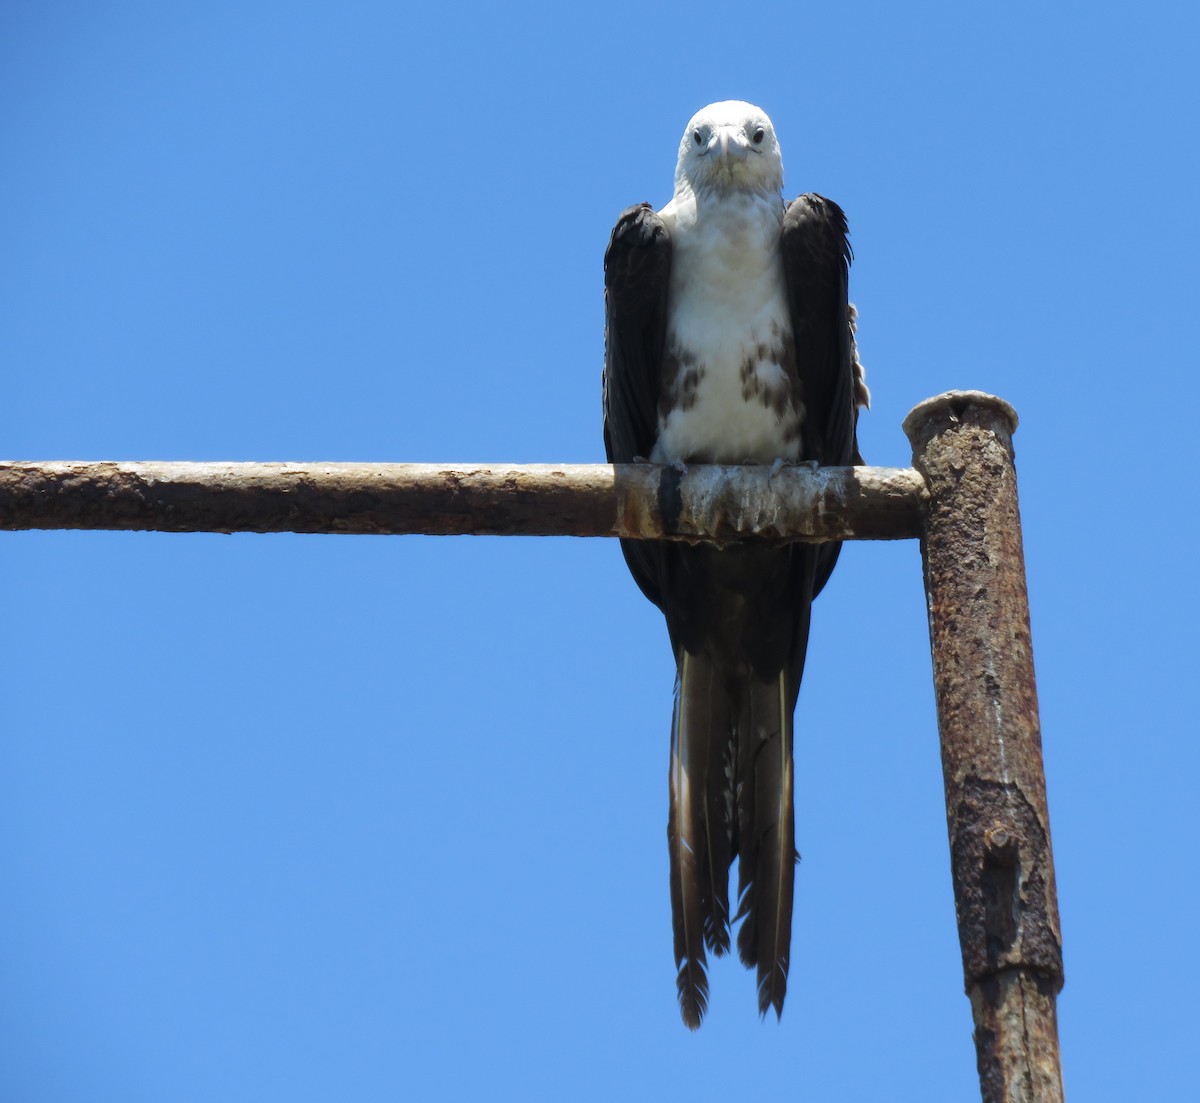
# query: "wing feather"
637 272
691 887
816 263
767 835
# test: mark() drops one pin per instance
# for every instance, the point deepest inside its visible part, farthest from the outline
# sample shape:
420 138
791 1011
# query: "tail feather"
766 837
718 818
698 828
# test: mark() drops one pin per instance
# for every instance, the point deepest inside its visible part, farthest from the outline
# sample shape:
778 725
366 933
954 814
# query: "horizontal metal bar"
641 501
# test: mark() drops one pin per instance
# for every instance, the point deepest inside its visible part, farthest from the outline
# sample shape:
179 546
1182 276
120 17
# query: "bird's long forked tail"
766 837
699 827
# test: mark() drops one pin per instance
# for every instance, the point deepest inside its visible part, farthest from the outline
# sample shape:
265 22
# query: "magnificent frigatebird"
729 339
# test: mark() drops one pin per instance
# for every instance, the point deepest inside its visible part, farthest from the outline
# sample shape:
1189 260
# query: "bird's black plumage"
738 617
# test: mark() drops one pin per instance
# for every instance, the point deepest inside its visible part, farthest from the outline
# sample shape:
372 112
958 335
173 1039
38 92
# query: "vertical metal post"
996 812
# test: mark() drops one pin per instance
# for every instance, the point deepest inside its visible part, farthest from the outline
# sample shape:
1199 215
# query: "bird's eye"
696 137
758 136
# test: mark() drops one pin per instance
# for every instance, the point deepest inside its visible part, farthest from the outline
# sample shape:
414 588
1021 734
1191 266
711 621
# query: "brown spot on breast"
782 395
681 377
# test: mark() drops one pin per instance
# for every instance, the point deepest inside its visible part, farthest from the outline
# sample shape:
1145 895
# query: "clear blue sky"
311 818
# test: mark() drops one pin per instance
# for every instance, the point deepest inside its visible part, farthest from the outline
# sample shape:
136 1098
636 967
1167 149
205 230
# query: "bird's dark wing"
637 270
816 263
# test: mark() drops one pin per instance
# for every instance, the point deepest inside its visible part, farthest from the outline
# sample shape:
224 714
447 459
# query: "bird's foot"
774 470
678 466
779 465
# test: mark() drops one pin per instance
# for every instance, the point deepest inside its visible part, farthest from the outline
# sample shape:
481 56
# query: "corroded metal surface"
1016 1037
996 810
637 500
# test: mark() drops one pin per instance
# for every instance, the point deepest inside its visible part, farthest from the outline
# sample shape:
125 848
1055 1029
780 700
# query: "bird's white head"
729 146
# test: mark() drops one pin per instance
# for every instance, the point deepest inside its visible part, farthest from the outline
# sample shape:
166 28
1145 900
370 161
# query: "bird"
729 339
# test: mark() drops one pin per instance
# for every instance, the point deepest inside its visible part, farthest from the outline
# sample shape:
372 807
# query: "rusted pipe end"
926 419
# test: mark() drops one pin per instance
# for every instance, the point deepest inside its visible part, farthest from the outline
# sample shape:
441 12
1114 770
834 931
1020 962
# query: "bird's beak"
728 142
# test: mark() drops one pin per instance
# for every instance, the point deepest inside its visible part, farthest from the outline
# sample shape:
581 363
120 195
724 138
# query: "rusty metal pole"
996 811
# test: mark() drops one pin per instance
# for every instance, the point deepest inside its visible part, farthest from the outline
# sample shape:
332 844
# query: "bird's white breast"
730 362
